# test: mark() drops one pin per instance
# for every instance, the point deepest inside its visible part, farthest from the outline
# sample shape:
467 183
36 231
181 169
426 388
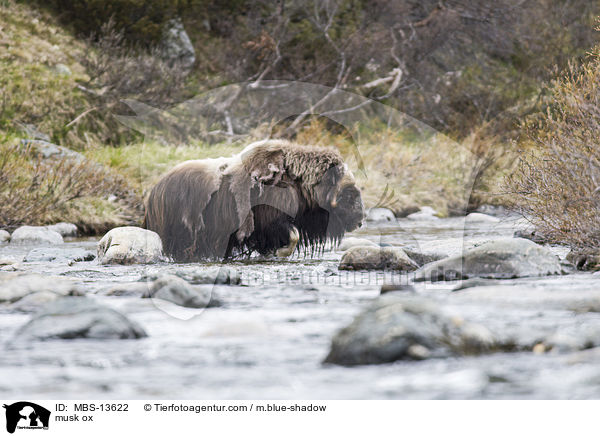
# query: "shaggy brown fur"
227 207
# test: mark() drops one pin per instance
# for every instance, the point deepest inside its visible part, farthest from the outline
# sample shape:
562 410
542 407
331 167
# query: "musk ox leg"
289 249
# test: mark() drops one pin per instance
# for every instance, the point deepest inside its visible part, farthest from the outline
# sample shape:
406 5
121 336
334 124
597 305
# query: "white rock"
426 213
35 236
355 242
476 217
380 214
65 229
129 245
4 236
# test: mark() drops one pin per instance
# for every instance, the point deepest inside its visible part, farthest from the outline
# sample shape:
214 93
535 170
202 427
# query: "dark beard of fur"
316 226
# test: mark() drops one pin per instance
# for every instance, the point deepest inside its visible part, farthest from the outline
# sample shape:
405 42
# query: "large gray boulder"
499 259
176 290
34 235
4 236
376 258
78 317
397 327
130 245
177 46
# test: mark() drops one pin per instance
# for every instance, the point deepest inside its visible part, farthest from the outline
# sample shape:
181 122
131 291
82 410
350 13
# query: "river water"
270 336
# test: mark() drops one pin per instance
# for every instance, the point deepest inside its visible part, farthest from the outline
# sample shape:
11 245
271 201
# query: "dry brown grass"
39 191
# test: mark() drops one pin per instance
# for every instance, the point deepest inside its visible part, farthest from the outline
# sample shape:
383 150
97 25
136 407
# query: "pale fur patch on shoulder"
304 162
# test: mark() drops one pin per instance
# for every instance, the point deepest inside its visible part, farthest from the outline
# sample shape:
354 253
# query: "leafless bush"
117 71
558 182
452 64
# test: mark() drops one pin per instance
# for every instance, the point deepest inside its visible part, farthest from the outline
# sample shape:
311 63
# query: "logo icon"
26 415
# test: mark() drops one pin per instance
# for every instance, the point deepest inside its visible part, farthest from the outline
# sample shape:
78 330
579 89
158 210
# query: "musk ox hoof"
289 249
130 245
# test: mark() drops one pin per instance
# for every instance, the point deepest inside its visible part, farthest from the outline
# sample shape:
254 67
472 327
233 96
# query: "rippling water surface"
269 338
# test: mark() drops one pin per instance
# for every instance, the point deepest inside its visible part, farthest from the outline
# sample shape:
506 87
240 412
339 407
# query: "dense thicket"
453 64
557 185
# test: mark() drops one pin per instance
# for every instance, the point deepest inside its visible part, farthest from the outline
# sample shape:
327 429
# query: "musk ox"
271 198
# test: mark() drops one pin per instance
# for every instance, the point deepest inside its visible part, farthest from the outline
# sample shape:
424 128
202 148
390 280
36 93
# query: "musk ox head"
269 197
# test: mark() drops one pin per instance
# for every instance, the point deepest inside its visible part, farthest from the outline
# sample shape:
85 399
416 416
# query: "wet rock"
355 242
176 290
422 258
426 213
30 235
4 236
127 289
499 259
397 327
212 276
376 258
380 214
34 301
130 245
586 259
177 46
392 287
78 317
51 254
14 287
474 283
531 234
477 218
447 247
66 230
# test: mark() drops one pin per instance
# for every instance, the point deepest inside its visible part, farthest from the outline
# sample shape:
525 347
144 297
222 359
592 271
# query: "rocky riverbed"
269 324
